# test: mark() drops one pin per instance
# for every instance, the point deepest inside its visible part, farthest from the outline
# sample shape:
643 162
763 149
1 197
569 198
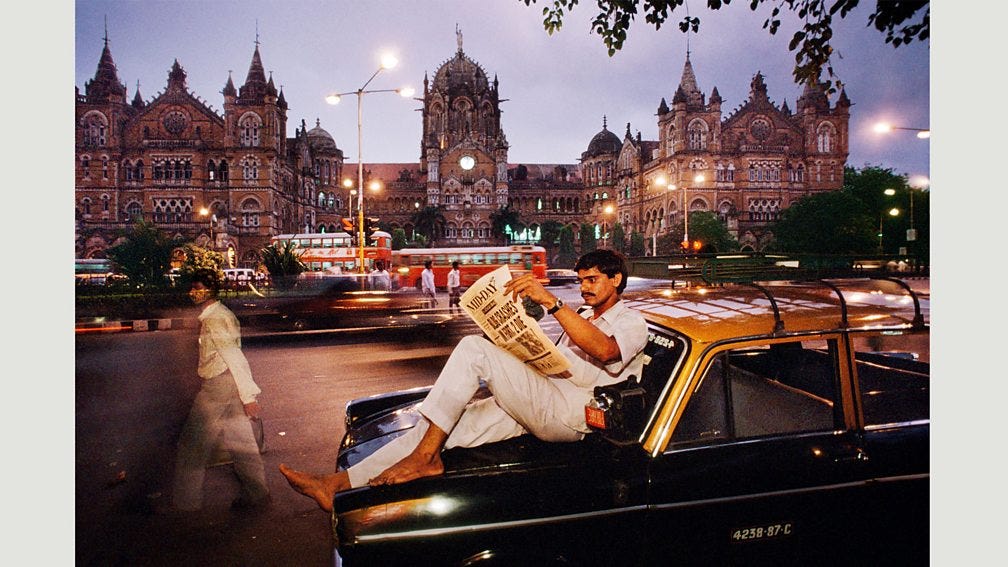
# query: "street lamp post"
213 219
605 225
885 128
387 62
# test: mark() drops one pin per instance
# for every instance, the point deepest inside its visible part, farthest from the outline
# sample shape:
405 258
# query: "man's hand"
252 409
528 286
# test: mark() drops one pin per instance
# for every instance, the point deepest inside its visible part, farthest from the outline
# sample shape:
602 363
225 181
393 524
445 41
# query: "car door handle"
857 455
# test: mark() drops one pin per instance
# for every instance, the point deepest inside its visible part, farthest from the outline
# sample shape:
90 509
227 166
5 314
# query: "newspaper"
505 322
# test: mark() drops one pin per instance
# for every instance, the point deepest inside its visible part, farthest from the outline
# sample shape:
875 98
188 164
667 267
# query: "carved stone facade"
746 168
170 159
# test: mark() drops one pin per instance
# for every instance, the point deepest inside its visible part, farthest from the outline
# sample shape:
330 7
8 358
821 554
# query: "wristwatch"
556 307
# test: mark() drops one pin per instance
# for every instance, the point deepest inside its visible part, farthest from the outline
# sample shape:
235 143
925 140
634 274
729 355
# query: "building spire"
458 37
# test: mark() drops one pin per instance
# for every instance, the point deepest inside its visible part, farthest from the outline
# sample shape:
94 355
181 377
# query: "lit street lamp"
213 219
885 128
605 225
387 62
893 212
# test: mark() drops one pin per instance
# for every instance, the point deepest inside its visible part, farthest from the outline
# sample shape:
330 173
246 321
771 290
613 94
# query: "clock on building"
467 162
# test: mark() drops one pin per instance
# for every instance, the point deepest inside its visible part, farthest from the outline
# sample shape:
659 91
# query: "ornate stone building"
746 168
229 180
234 179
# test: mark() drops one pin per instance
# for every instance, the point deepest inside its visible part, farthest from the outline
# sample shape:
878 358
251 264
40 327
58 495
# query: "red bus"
474 261
334 251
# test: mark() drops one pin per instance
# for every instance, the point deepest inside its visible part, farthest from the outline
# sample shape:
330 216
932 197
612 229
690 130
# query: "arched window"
697 135
86 205
134 211
250 211
211 171
670 140
248 130
223 171
825 136
94 126
105 203
250 169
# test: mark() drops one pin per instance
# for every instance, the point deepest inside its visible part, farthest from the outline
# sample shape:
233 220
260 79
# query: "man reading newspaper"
601 345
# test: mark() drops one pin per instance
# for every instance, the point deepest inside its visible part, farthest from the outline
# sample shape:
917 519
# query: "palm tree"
430 222
283 263
503 218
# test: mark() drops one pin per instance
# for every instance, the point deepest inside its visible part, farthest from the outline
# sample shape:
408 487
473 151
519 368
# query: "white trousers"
523 401
217 420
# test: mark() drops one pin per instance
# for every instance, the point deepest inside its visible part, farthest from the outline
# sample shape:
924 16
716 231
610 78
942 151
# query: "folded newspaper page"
505 322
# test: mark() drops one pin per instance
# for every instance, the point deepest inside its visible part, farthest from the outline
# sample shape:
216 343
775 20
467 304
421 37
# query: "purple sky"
558 87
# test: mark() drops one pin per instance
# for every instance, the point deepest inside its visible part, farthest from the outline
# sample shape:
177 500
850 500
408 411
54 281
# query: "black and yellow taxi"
779 423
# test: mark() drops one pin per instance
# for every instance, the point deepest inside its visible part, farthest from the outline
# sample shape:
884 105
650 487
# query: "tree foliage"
833 222
283 262
398 239
586 235
144 256
503 218
201 260
549 233
618 238
429 222
566 254
713 235
637 247
902 22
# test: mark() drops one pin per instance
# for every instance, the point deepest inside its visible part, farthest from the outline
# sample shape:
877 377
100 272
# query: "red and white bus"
335 251
474 261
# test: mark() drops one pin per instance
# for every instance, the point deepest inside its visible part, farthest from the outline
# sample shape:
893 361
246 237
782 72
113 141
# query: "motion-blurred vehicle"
775 423
346 301
560 276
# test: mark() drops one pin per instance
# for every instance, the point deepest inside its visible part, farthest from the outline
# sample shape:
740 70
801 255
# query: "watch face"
467 162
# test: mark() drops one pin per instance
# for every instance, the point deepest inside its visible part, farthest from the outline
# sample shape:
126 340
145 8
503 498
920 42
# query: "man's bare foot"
412 467
320 488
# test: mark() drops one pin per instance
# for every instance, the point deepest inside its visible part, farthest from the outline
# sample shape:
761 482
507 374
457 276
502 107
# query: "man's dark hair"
427 263
609 262
455 264
209 278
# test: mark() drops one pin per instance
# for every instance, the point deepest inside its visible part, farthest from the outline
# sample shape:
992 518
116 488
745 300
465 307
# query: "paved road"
133 391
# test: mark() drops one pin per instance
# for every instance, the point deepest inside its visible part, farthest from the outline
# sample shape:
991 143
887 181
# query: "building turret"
105 86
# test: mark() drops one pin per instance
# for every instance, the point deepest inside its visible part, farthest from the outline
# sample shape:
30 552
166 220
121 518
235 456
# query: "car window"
778 389
894 374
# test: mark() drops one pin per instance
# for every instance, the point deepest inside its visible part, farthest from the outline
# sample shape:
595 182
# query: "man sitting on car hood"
601 342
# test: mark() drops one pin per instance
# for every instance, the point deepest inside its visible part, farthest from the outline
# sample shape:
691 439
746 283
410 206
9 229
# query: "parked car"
778 423
559 276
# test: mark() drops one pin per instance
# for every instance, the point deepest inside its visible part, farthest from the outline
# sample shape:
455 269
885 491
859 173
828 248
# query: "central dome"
321 141
461 74
605 142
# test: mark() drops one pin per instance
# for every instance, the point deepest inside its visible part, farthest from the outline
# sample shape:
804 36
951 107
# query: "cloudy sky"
558 88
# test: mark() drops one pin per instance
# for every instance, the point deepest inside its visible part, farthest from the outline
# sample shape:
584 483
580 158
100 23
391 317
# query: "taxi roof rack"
918 319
